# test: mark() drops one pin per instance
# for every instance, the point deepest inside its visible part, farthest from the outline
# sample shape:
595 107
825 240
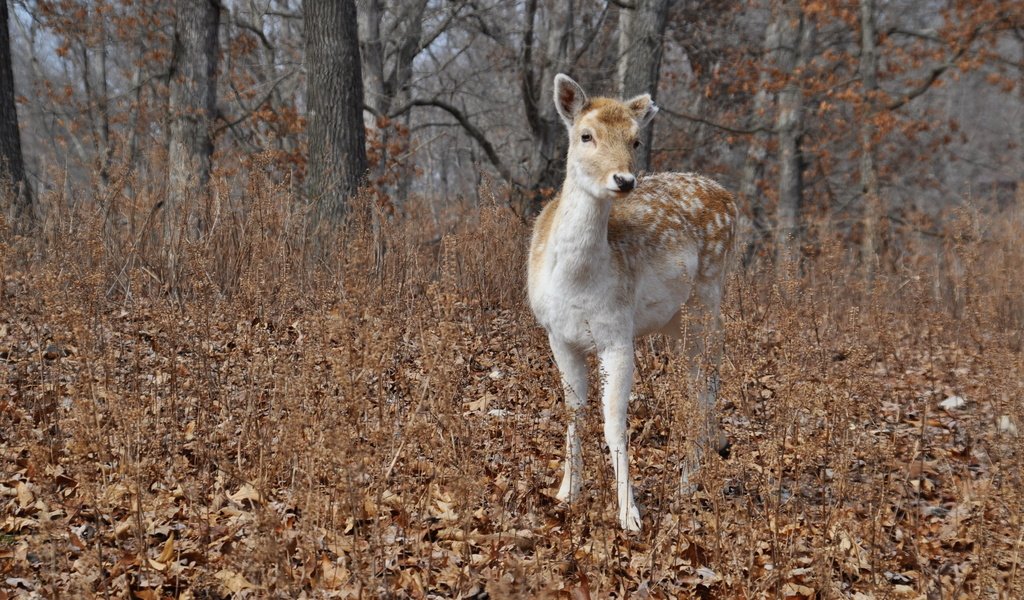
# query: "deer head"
602 137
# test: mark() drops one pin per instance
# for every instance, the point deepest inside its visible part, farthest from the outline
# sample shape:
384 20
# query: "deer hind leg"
700 329
572 365
617 371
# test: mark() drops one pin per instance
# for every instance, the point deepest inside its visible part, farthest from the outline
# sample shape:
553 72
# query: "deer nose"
625 182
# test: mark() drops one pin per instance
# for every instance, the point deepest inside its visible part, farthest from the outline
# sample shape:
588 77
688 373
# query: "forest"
264 329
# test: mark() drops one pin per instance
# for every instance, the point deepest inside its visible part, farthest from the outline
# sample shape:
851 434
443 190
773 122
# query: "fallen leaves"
333 448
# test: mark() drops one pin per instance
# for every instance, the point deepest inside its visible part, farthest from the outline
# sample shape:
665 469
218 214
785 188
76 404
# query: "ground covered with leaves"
389 424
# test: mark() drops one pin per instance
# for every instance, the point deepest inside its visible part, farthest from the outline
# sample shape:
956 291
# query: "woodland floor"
400 435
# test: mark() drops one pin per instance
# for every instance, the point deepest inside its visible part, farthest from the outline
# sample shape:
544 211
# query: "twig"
729 128
391 467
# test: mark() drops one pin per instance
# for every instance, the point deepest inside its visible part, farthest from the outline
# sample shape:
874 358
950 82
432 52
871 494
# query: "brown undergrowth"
372 412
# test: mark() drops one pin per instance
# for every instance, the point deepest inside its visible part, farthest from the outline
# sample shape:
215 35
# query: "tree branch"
472 130
922 35
623 4
937 71
248 111
591 35
431 37
729 128
925 85
283 14
252 28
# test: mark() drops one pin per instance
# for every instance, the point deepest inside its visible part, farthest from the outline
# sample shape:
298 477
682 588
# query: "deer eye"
586 137
636 144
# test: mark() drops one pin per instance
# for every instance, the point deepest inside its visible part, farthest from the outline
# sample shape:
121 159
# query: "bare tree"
516 49
462 83
555 39
641 35
12 167
337 139
392 36
258 107
1020 125
868 173
794 34
757 151
192 106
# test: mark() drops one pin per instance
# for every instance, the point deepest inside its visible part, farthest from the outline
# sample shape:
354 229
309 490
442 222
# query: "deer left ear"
569 98
643 109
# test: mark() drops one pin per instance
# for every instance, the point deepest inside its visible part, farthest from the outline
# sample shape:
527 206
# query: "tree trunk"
868 173
641 32
12 167
1020 124
536 75
337 139
753 167
789 126
192 107
387 56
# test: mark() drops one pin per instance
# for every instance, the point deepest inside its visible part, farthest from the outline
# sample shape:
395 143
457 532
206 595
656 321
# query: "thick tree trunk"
789 129
873 209
641 35
337 139
192 107
12 167
536 76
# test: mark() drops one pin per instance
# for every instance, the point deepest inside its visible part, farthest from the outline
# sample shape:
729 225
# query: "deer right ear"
569 98
643 109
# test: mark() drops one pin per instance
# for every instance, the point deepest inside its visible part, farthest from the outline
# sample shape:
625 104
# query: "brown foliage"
346 422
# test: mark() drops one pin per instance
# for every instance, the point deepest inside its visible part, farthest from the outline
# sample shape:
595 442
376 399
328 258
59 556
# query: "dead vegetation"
377 415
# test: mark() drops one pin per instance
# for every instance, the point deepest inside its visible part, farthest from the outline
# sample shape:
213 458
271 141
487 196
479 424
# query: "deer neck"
580 236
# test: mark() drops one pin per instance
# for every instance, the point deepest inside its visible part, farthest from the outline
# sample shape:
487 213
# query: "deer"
615 257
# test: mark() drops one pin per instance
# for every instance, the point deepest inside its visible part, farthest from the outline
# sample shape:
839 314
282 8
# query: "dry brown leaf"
480 404
123 528
25 496
581 591
467 504
444 510
796 590
908 592
233 581
246 493
390 498
18 524
168 551
333 575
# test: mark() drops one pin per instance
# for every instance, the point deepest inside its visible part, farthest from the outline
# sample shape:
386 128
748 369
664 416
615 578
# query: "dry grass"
330 420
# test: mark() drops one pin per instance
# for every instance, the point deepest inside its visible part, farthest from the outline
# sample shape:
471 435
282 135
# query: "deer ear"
643 109
569 98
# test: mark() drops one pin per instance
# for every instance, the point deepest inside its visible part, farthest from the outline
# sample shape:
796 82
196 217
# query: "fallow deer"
615 257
